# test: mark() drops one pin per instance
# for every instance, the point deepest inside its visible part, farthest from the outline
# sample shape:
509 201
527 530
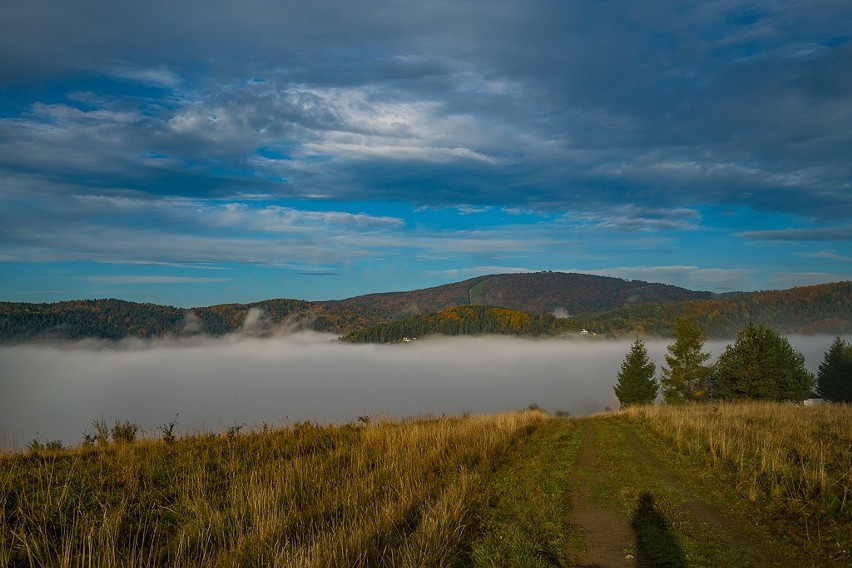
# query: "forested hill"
600 304
825 308
461 320
535 292
541 292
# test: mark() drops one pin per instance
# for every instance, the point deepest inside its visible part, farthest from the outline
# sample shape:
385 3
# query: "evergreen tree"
761 364
636 384
687 377
834 380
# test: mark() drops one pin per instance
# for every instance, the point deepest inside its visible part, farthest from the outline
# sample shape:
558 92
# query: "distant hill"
460 320
601 304
574 294
536 292
105 319
825 308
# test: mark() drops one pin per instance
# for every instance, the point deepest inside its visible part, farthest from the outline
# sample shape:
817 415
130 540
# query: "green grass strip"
526 521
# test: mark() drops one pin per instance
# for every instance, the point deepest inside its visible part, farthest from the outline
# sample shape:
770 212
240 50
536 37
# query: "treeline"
461 320
104 319
760 364
117 319
825 308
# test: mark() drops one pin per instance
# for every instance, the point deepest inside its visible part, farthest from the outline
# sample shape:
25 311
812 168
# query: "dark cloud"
616 117
548 104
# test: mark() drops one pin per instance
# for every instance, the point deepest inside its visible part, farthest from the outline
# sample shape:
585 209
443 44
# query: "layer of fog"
53 392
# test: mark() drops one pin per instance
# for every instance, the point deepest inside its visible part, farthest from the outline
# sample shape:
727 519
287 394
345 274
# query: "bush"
101 435
234 430
125 432
168 430
36 446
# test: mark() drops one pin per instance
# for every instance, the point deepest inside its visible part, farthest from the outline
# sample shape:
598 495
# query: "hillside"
460 320
825 308
572 294
542 292
600 304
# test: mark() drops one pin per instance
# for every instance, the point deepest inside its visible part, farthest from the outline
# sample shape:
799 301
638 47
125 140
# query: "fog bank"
54 392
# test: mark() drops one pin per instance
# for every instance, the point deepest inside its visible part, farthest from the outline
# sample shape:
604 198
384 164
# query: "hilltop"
598 303
536 293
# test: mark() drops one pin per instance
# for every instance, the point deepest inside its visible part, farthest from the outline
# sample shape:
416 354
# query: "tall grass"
401 494
796 461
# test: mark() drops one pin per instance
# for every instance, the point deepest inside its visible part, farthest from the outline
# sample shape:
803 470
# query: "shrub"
168 430
125 432
101 435
234 430
35 446
88 440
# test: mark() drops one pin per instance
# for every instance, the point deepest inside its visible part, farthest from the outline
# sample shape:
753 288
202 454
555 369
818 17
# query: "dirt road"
637 505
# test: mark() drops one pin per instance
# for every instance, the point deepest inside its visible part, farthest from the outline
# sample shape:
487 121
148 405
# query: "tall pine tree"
687 377
834 380
636 384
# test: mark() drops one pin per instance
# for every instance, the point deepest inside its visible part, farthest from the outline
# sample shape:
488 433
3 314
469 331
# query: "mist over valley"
55 391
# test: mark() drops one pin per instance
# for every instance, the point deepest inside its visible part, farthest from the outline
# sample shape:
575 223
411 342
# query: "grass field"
695 485
792 462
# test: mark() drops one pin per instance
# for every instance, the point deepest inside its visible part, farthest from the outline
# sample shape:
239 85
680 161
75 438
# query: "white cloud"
794 279
464 273
133 279
836 233
691 277
827 254
160 76
214 214
632 218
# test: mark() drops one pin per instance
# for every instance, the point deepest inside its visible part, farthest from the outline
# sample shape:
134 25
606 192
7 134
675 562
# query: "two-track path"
636 504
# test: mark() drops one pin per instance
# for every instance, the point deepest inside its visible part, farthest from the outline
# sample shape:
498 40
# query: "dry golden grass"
400 494
796 461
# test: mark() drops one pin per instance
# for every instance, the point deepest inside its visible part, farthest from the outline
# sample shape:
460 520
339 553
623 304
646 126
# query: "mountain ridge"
602 304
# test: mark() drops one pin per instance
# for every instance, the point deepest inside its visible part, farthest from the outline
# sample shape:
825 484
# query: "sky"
192 153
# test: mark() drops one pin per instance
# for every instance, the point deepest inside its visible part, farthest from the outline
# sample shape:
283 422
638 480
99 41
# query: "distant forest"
520 304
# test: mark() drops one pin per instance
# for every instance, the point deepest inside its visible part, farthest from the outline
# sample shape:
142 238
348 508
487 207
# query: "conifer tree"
636 383
761 364
687 377
834 380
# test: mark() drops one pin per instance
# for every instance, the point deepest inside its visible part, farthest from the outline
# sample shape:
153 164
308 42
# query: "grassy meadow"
450 491
400 494
792 463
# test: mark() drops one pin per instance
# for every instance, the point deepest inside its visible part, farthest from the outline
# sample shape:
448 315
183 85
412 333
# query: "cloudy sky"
209 151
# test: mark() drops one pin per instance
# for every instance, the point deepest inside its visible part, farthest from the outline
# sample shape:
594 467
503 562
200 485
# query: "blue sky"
193 153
